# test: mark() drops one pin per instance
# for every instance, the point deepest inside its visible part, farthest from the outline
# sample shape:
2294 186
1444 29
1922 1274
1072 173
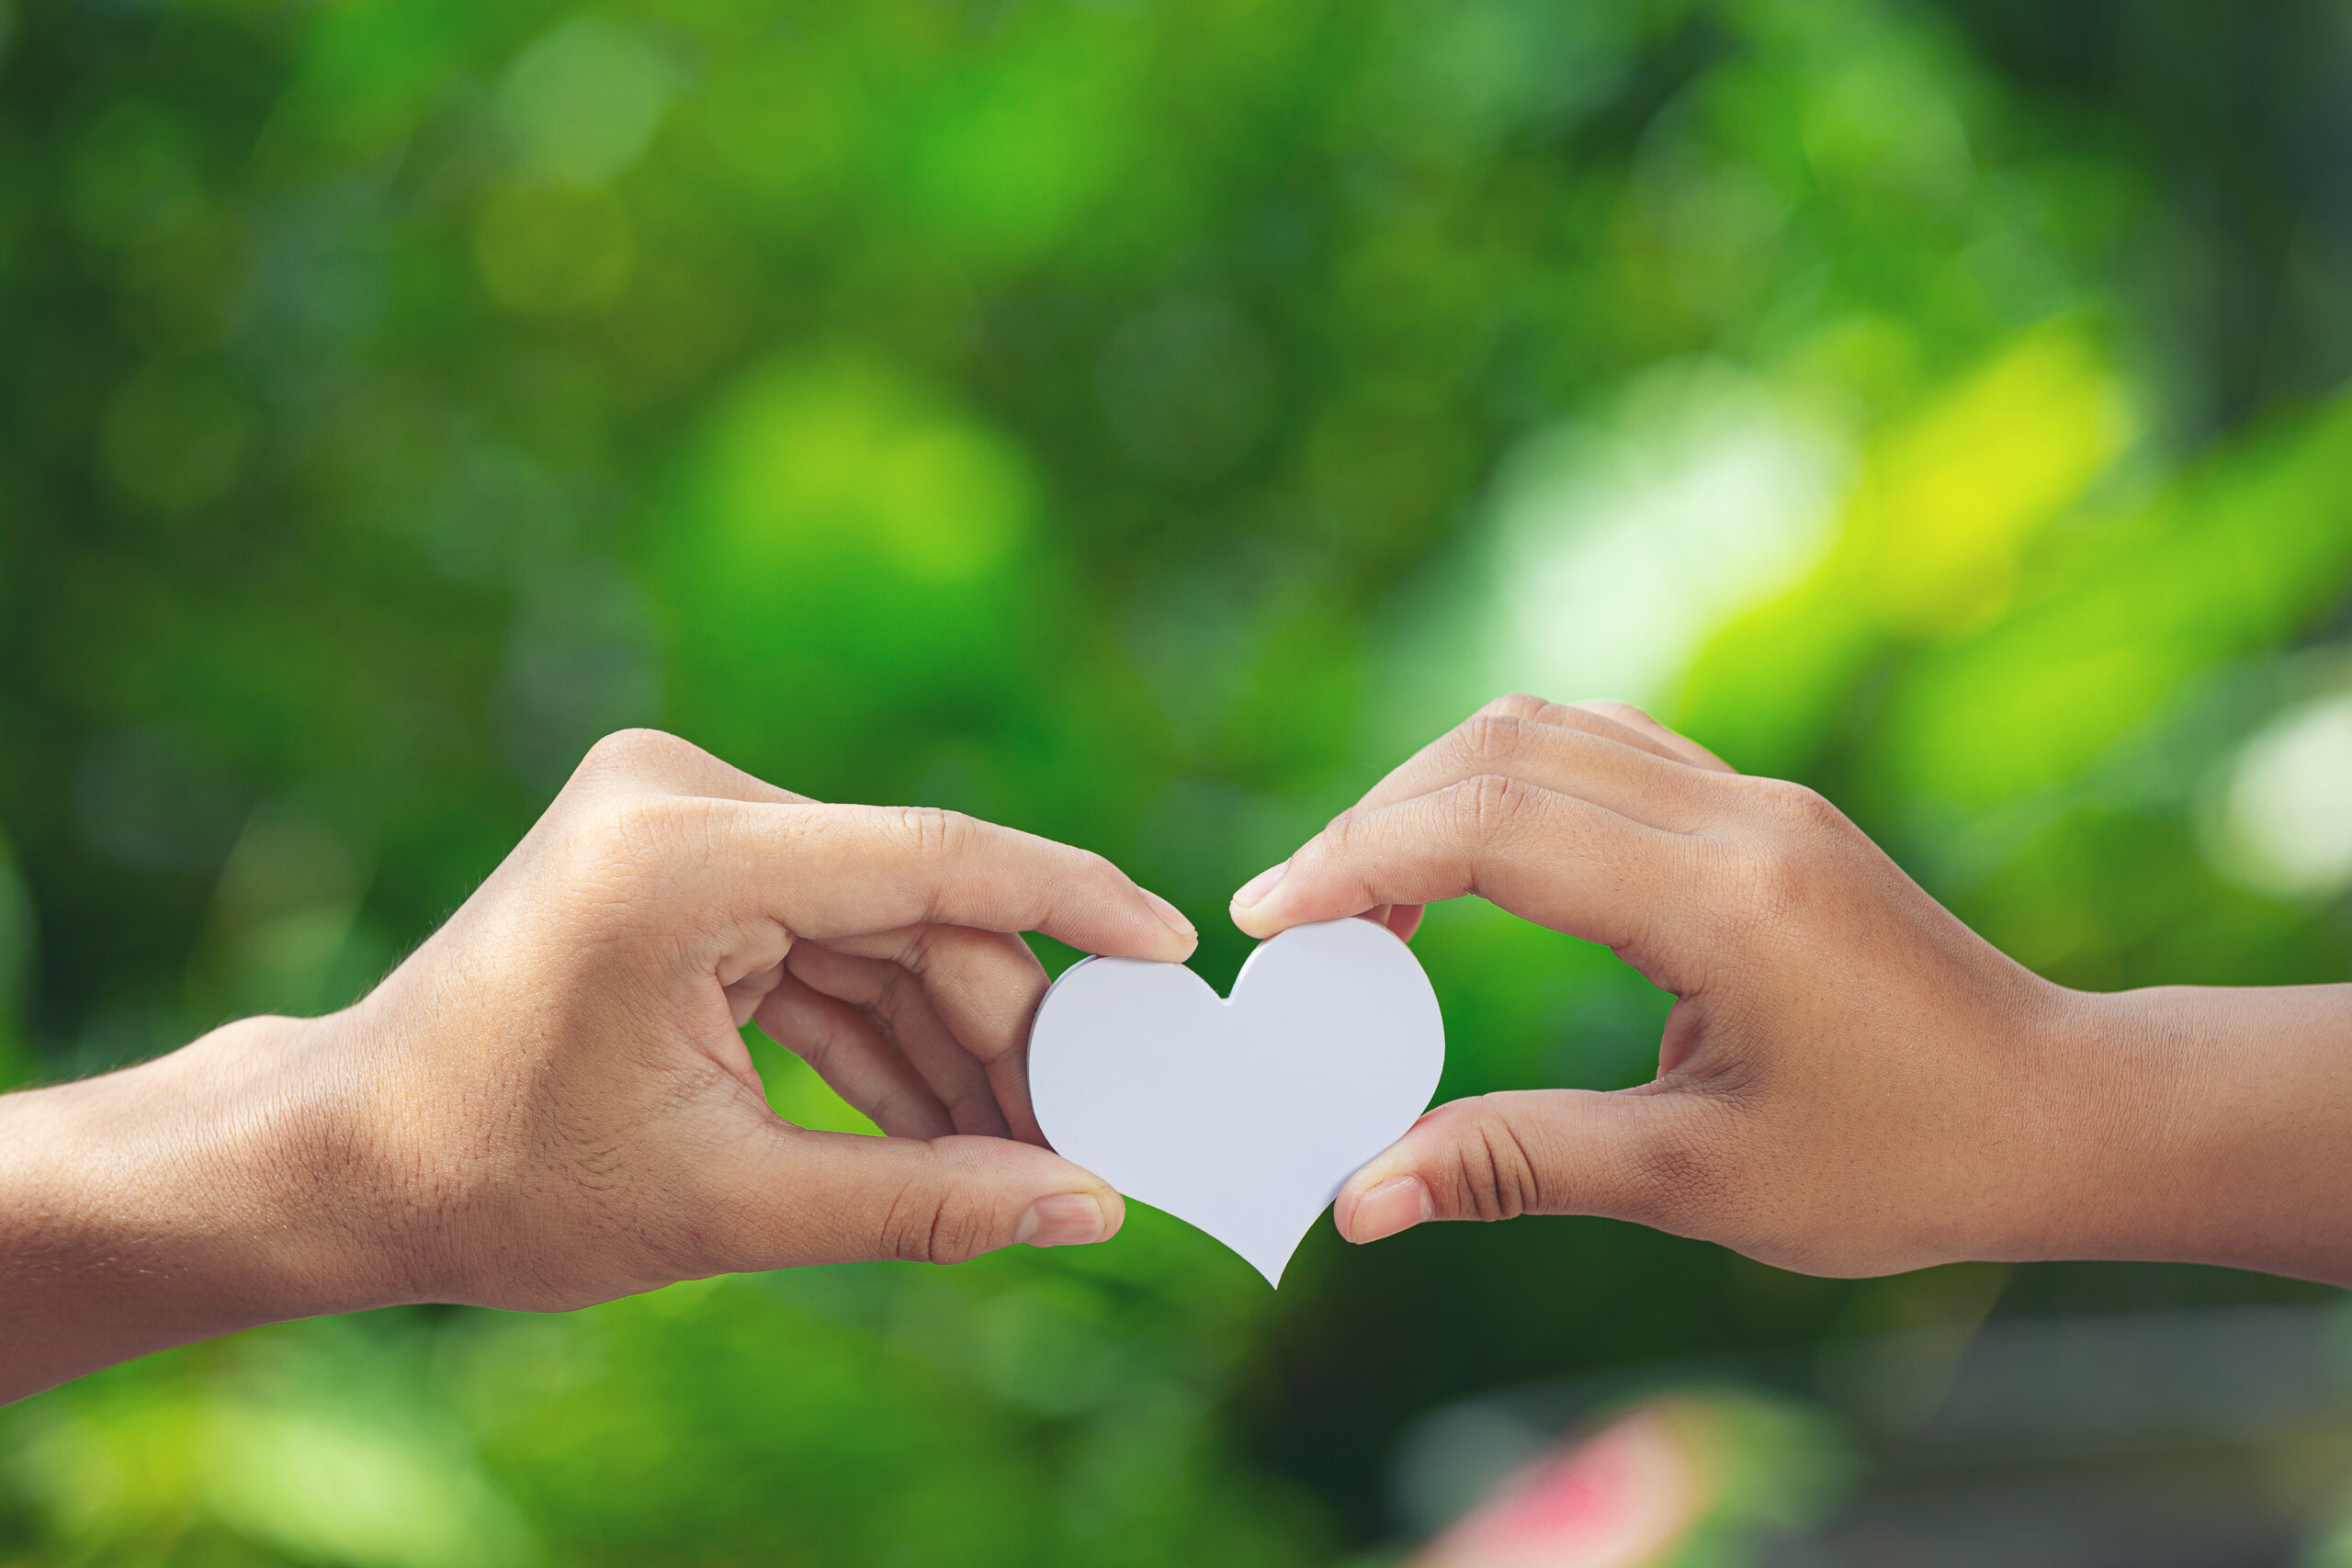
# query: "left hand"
1851 1081
549 1104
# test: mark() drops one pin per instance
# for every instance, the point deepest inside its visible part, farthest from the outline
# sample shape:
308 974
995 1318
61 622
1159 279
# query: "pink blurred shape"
1619 1499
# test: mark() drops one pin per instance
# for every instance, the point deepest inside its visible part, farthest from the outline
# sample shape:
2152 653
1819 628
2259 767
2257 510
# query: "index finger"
827 872
1574 759
1555 858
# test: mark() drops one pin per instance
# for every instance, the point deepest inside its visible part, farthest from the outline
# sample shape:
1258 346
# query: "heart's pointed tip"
1272 1269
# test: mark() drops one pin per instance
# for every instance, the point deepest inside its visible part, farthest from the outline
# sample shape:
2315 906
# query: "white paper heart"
1243 1117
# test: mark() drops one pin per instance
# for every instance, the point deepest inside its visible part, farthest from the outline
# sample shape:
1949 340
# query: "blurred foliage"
1140 425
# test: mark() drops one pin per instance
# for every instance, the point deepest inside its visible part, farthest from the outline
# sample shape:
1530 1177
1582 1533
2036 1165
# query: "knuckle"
1491 742
935 1227
627 753
1495 1177
935 832
1489 807
621 857
1777 868
1796 808
1343 836
920 953
901 1109
1761 885
892 993
1513 705
634 835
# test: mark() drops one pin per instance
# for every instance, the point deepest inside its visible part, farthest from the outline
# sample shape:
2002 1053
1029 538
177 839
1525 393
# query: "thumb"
797 1196
1554 1151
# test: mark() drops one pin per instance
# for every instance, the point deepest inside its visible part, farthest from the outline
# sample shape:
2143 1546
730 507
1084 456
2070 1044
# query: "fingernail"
1392 1206
1065 1219
1258 886
1170 915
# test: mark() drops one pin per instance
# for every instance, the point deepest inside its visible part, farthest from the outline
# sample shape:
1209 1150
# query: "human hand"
1851 1081
549 1103
571 1078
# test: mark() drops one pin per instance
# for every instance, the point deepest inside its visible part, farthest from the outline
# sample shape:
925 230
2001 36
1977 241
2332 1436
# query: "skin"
1851 1081
549 1104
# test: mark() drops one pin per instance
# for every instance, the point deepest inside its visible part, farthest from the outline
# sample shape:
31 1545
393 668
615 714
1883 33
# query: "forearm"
172 1201
2214 1126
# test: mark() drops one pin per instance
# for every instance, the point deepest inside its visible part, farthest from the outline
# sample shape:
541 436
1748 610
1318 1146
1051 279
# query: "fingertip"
1071 1219
1254 891
1380 1170
1063 1219
1254 906
1161 936
1176 949
1396 1204
1343 1208
1172 918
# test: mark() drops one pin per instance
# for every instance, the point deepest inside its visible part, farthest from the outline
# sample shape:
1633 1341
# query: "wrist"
310 1199
2071 1122
2197 1125
1993 1163
184 1198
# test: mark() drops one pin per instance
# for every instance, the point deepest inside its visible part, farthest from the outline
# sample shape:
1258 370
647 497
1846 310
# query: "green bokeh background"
1141 424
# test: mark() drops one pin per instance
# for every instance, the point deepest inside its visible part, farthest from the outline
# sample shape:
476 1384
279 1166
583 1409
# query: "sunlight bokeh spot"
583 101
1952 498
1620 547
2286 814
848 459
330 1487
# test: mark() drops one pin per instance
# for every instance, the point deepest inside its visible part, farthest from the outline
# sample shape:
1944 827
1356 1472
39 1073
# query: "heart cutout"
1243 1117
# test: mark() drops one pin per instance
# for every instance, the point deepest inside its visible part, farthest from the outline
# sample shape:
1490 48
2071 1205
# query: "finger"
850 1053
833 871
1642 724
1554 859
1601 717
1562 1151
985 986
1635 781
1400 919
744 995
785 1196
896 997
